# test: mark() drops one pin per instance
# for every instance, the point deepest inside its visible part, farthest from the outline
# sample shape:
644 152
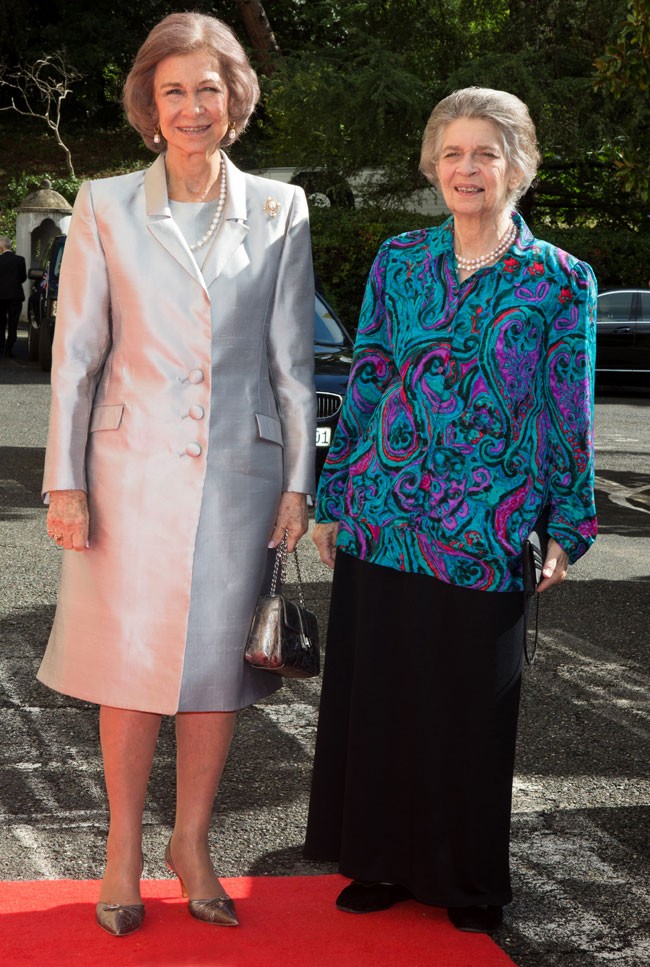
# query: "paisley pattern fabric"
469 408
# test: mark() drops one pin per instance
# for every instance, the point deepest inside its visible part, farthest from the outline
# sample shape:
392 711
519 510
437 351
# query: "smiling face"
192 103
472 171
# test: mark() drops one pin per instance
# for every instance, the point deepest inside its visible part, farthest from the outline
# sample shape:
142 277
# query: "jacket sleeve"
569 383
291 350
81 342
373 370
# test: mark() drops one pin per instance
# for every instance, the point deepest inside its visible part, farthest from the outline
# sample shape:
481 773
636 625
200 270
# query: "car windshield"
327 331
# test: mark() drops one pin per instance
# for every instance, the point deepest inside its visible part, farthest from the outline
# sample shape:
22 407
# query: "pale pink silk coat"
183 403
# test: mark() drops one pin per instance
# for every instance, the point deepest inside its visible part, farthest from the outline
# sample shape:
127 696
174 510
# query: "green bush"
21 185
616 256
345 243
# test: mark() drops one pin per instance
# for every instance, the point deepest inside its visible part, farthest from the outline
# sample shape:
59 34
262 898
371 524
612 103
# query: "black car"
332 344
333 356
623 335
41 306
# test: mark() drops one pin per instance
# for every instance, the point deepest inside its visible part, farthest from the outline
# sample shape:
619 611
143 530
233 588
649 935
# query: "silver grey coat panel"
183 403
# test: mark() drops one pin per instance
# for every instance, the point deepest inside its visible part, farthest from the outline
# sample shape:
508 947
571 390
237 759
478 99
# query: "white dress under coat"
183 403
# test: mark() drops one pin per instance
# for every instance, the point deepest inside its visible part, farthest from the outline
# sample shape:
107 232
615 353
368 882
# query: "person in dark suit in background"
13 273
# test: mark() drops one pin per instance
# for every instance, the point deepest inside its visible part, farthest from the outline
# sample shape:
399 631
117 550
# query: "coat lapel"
160 222
235 225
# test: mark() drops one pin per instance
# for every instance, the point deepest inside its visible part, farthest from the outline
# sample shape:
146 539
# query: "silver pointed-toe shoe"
120 919
220 910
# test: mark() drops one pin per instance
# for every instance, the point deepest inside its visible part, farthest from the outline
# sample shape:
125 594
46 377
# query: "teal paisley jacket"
469 408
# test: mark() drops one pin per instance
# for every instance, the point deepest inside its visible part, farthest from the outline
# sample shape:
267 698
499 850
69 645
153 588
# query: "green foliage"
113 82
617 258
19 186
8 222
623 75
371 110
345 243
358 86
626 63
355 82
581 192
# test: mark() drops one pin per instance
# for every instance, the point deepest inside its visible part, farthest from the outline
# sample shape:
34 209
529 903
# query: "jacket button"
196 376
193 449
196 412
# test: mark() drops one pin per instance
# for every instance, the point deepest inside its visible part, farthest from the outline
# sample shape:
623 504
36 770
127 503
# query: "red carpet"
285 922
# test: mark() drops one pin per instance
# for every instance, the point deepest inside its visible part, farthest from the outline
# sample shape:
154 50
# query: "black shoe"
476 919
361 897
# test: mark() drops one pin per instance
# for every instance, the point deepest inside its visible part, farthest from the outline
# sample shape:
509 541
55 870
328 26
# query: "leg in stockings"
128 740
203 740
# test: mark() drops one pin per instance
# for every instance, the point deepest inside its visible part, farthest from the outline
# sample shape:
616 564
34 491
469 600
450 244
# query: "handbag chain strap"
279 575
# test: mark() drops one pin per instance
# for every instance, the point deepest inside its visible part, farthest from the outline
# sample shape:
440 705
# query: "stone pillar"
42 215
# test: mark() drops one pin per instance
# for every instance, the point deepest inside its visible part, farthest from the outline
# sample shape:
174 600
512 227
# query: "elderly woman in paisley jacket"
469 411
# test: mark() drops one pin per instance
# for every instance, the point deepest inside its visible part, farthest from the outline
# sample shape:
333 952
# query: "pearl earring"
156 135
232 134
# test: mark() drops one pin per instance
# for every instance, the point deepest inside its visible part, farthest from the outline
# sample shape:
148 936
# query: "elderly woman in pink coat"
180 445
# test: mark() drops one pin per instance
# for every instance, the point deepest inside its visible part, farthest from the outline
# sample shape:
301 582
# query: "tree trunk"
260 34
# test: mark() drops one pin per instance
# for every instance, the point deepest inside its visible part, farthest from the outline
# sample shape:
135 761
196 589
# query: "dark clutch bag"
283 636
534 555
535 548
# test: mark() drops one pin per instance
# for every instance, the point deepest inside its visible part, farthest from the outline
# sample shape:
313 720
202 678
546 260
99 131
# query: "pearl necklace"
504 243
216 218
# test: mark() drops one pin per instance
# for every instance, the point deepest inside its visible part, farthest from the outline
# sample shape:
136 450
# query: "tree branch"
49 80
260 33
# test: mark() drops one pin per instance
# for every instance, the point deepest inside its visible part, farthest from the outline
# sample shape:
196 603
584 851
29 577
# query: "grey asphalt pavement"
582 791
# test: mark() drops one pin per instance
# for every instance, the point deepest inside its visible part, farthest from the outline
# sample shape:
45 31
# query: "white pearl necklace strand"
504 243
216 218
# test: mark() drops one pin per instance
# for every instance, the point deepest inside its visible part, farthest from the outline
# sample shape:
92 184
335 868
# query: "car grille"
328 405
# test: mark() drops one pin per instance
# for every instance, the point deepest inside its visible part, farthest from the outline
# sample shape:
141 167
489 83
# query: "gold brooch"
271 207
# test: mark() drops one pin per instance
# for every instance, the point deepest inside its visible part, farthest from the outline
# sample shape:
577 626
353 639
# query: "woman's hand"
292 518
555 568
67 519
324 537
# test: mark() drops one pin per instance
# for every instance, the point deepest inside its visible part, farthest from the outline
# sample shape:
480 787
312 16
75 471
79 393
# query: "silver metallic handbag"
283 636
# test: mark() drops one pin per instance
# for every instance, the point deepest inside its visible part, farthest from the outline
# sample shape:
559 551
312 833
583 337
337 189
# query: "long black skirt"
415 749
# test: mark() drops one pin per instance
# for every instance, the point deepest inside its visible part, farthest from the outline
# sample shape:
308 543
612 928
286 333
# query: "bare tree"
39 91
260 33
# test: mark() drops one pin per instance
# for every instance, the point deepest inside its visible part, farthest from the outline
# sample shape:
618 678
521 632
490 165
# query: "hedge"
345 242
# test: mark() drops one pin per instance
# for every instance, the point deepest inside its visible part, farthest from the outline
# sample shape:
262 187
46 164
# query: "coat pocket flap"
269 428
106 417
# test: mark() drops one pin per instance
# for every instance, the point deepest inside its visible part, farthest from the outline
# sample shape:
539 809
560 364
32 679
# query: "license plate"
323 436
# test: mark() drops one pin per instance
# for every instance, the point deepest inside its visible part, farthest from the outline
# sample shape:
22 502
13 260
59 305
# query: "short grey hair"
185 33
5 242
507 112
